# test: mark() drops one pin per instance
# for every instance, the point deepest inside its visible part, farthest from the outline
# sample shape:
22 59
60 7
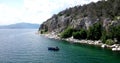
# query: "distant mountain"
21 26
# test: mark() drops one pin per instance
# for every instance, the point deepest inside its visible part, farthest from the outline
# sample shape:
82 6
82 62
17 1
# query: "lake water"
24 46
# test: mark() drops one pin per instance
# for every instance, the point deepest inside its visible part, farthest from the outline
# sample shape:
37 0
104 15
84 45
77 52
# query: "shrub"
104 36
115 32
43 31
94 32
82 34
118 33
90 33
76 35
67 33
109 42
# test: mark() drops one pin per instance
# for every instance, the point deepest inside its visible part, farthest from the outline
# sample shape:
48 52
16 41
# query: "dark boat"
53 48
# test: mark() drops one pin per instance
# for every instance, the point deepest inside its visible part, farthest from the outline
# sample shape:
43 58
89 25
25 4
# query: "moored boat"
53 48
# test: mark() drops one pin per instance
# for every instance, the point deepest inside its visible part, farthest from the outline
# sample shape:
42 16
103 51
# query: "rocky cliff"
105 12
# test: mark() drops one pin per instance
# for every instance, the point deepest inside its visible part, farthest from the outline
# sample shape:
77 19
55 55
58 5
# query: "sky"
33 11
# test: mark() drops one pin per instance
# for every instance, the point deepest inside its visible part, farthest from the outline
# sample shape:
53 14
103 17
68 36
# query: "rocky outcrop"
60 23
84 16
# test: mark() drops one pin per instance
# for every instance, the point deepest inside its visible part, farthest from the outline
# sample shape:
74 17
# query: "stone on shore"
114 47
103 45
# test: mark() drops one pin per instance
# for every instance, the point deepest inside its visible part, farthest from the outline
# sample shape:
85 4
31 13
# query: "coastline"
114 47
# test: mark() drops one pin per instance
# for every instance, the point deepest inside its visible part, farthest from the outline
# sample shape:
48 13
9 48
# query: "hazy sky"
33 11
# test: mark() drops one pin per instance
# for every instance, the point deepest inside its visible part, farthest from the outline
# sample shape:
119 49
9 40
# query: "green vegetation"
106 12
104 36
95 32
43 31
67 33
82 34
115 32
112 33
76 35
109 42
108 9
60 14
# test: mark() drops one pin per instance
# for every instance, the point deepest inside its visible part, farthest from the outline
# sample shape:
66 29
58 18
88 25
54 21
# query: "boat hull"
53 48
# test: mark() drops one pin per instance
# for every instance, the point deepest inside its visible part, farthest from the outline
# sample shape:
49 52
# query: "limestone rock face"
84 16
60 23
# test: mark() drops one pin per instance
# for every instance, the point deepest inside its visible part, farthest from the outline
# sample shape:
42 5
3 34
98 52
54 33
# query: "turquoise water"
24 46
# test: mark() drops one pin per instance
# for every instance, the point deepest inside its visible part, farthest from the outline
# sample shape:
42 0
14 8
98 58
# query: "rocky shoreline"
114 47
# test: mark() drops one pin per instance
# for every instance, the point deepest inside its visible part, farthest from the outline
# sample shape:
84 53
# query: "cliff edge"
105 12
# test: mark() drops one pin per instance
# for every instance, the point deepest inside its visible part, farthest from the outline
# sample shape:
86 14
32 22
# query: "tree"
82 34
94 32
76 35
104 36
117 33
89 33
67 33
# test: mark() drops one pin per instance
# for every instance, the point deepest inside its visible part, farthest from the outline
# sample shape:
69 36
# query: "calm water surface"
24 46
